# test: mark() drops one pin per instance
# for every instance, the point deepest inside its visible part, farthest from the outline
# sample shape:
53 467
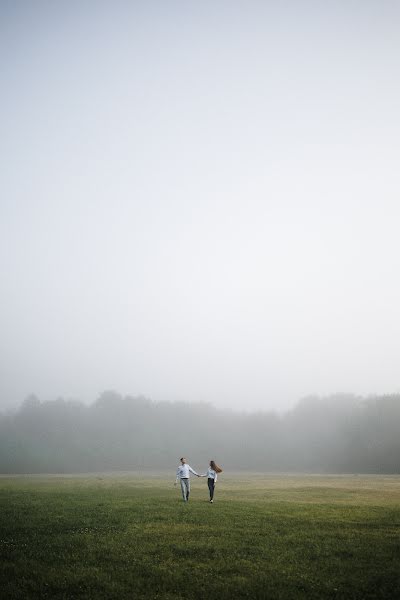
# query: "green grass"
128 537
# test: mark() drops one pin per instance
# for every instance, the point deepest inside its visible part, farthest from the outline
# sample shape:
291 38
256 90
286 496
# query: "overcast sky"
199 200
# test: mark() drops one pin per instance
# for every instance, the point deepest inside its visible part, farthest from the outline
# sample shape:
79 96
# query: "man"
183 475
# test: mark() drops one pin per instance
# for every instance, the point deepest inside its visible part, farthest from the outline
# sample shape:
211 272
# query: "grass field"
128 537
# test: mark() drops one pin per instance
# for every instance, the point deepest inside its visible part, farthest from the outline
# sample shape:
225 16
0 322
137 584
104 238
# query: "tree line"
335 434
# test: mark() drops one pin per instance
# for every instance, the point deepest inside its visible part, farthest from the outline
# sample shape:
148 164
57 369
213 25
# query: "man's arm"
193 471
177 477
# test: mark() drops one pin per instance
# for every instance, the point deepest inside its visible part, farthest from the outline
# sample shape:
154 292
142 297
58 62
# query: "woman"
212 476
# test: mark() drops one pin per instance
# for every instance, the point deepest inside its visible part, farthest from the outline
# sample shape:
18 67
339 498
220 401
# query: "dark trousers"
211 486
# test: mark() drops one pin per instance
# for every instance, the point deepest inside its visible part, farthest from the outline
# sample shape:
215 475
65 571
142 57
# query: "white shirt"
184 471
211 474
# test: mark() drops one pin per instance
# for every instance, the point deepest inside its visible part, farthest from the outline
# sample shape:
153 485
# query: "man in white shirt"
183 475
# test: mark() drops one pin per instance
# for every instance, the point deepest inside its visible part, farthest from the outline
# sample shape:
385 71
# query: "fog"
336 434
199 201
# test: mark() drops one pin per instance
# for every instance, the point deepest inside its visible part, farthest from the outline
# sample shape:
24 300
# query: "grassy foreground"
128 537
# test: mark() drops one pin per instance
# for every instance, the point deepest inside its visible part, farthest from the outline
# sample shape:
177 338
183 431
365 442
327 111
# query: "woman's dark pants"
211 486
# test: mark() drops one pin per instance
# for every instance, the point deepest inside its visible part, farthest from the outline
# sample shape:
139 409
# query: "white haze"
199 200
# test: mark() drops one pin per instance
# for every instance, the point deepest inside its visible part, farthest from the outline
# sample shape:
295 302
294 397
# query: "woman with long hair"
212 476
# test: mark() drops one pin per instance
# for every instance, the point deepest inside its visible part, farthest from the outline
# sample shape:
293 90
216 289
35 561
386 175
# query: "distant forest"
335 434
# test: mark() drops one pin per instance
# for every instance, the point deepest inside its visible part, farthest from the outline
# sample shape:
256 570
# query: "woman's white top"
211 474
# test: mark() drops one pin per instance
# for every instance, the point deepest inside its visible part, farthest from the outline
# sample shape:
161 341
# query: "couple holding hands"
183 475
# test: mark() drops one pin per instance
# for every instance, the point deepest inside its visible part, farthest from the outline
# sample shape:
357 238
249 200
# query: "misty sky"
199 200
